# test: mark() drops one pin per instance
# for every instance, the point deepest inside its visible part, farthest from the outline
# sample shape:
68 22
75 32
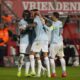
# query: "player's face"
53 18
26 16
36 13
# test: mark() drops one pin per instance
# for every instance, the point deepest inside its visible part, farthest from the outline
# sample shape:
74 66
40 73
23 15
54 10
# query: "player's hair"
56 14
34 10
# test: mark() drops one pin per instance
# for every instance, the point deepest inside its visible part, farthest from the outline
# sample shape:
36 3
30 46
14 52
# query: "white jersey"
56 36
40 30
23 24
48 32
24 39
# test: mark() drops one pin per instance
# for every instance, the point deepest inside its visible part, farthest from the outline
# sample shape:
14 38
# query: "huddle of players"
33 27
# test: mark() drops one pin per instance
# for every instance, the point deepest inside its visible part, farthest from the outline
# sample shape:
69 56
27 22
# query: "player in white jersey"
40 43
56 45
24 42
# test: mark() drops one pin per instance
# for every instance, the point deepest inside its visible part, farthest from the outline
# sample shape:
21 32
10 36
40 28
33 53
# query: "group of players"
44 40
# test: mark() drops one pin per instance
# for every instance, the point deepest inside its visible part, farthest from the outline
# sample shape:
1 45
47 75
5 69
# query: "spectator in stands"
71 53
4 37
7 19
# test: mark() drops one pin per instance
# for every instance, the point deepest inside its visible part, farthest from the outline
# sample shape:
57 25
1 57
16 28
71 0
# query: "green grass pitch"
10 74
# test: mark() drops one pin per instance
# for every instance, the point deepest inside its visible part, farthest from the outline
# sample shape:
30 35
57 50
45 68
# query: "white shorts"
37 46
23 48
56 49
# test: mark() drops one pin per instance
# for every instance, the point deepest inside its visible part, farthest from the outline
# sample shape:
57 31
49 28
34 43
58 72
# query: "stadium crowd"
36 40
